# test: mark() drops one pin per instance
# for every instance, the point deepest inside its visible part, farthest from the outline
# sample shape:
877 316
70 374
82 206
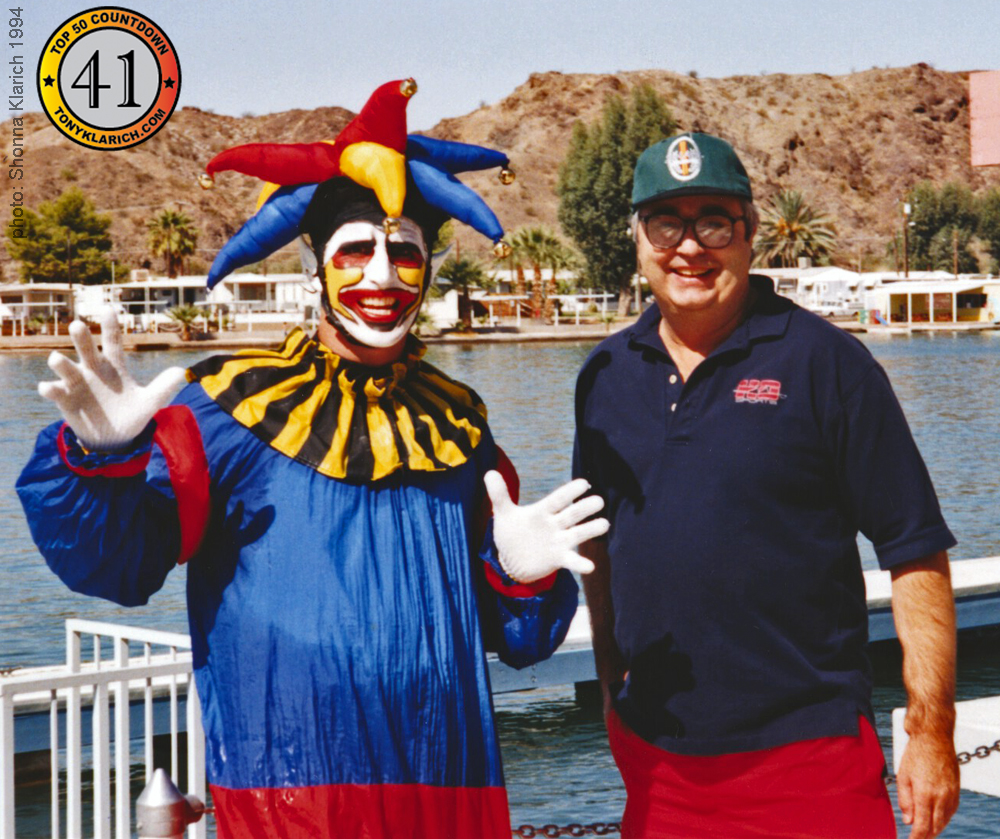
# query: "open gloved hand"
534 540
106 408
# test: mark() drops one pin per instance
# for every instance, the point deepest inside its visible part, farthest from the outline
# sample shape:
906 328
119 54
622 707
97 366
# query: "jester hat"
409 175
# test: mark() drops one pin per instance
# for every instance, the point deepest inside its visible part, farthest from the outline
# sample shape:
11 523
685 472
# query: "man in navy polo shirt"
740 444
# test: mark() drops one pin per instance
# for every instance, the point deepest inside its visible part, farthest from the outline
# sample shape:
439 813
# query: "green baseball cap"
689 164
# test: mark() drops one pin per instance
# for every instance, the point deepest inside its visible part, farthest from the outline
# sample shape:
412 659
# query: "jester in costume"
347 571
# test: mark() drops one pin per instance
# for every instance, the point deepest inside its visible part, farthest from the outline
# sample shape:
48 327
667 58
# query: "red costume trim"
519 589
126 469
179 439
377 811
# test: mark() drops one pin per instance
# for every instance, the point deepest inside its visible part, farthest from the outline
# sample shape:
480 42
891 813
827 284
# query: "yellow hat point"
408 87
506 176
390 225
206 181
266 192
380 169
501 250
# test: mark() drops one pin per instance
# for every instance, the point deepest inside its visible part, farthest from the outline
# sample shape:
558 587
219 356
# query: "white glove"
535 540
106 408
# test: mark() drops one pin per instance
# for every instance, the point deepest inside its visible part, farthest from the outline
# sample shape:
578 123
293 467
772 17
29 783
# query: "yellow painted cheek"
337 279
413 277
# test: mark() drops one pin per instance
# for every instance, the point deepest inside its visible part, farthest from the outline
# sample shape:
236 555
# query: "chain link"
980 752
527 831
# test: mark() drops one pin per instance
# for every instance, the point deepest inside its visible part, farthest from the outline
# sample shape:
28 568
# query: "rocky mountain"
853 144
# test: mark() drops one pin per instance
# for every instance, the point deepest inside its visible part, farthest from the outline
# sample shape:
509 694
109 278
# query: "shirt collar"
768 318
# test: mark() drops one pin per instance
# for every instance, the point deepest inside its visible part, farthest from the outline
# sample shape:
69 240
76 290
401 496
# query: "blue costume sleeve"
105 528
524 629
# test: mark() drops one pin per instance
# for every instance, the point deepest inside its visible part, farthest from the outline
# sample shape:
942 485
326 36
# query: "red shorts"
828 788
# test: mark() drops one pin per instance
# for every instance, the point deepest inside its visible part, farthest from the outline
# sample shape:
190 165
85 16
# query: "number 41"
93 84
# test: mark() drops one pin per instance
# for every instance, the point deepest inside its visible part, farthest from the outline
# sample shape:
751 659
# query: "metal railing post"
6 765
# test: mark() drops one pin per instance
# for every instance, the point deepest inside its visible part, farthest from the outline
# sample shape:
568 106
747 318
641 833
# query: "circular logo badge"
109 78
684 159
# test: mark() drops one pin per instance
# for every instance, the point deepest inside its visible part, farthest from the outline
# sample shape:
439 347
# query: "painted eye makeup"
354 254
405 255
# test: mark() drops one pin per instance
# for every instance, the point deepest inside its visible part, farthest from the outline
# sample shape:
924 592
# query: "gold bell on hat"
390 225
206 181
408 87
506 176
501 250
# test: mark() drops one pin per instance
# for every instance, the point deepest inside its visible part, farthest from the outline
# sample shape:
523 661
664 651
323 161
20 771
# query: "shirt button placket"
673 392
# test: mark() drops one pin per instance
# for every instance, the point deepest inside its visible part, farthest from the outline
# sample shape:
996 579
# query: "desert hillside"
852 144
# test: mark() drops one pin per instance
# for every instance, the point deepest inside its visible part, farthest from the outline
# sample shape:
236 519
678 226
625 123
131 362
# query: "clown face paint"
375 283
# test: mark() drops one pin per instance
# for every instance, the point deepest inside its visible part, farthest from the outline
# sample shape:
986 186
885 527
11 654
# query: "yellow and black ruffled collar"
344 419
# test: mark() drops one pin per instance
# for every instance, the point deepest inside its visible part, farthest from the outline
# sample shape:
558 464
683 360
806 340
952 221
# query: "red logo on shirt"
759 390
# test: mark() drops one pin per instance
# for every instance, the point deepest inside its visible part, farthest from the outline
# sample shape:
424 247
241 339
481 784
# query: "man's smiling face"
375 282
689 277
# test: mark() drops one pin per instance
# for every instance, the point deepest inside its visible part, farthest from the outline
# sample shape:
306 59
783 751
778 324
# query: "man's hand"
923 607
928 783
536 539
106 408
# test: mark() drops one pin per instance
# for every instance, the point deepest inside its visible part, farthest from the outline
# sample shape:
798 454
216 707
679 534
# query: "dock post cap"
162 812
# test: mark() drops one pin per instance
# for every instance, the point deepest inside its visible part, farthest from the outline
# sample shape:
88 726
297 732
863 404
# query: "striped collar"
347 420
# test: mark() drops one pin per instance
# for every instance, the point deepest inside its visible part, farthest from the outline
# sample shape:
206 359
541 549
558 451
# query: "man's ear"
437 260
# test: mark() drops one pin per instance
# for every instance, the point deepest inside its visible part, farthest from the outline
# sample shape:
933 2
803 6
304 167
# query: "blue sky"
266 57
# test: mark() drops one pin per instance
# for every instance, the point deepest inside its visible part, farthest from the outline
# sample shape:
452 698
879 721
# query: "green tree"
949 251
173 236
935 214
595 185
464 272
989 225
66 240
790 228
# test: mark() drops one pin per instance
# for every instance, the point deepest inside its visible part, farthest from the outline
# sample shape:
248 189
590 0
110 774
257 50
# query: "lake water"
556 759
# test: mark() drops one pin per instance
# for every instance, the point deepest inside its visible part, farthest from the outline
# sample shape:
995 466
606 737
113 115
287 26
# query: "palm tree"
185 315
463 272
172 234
536 246
560 256
790 228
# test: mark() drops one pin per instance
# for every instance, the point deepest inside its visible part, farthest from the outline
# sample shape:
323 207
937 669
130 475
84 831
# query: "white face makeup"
375 282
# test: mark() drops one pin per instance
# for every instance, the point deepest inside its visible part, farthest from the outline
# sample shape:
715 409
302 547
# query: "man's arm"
923 608
597 588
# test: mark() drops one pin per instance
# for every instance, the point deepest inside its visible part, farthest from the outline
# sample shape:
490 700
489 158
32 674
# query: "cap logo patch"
684 159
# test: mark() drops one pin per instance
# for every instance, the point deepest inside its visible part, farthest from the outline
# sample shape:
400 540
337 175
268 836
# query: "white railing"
99 683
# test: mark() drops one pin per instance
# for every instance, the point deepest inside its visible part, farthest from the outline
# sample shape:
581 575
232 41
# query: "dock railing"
126 666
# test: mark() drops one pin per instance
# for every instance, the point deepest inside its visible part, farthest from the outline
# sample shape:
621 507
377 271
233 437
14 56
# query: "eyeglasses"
666 230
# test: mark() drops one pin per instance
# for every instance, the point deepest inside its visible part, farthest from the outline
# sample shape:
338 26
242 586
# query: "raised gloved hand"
536 539
106 408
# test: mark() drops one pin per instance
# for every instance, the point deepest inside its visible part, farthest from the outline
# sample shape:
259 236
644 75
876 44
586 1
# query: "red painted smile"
382 306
